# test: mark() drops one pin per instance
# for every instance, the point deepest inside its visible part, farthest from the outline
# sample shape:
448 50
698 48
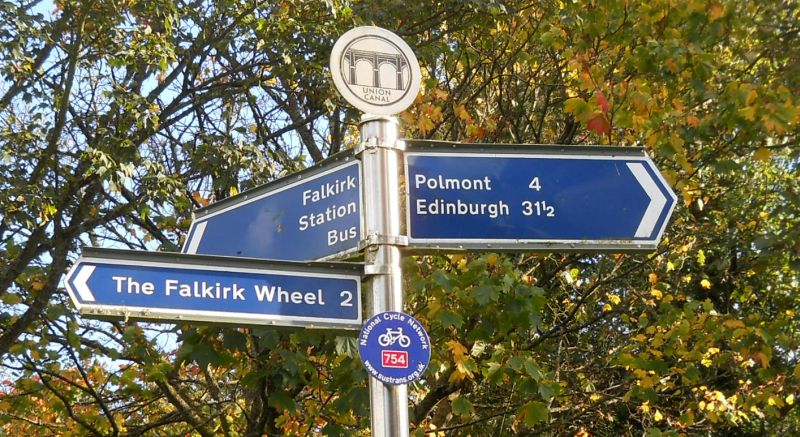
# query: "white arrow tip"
195 237
657 200
81 286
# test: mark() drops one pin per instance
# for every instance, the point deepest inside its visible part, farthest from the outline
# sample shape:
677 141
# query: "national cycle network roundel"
394 348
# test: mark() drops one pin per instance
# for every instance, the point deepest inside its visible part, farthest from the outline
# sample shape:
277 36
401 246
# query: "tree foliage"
118 119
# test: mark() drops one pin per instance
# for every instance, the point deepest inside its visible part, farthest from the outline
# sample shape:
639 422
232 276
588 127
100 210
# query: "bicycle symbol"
391 337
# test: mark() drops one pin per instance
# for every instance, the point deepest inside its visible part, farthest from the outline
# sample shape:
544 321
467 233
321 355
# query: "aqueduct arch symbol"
376 59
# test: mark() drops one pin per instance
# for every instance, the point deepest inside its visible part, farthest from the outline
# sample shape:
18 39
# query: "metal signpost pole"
380 155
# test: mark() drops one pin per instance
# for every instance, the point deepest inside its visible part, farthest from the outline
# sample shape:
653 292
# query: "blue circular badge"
394 348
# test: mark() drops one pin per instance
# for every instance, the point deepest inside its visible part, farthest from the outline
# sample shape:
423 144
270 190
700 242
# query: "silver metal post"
380 154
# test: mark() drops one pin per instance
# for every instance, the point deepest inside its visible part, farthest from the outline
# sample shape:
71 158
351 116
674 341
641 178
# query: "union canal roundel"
375 70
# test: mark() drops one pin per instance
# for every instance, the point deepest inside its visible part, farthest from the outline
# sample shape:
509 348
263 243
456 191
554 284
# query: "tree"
119 120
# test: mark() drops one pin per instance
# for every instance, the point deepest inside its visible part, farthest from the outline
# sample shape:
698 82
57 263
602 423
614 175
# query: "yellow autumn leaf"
435 113
734 324
638 121
705 283
790 400
461 112
407 117
773 124
693 121
424 124
658 416
202 201
656 293
748 112
685 164
613 298
653 278
458 350
38 285
775 401
751 97
762 154
460 373
456 376
716 11
646 382
762 358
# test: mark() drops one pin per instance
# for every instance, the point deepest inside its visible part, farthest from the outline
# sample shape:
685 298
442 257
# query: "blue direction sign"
565 198
312 215
394 348
193 288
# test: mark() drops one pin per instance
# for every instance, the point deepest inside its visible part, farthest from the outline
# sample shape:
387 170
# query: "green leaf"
548 391
532 369
442 280
692 375
577 107
485 293
654 432
516 363
534 412
281 400
347 346
462 407
11 298
234 340
450 318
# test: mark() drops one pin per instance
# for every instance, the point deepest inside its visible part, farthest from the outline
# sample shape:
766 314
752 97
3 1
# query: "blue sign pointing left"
184 288
312 215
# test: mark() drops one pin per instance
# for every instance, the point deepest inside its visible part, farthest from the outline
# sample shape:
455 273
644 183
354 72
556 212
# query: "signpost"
312 215
387 86
191 288
528 198
458 197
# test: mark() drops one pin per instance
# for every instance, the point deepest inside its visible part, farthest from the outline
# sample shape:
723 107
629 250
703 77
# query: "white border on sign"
198 227
519 243
183 315
336 64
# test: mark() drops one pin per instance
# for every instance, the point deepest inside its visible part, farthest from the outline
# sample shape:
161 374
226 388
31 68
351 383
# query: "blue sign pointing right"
534 198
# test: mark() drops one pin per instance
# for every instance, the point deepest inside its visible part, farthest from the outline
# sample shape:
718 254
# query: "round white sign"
375 70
